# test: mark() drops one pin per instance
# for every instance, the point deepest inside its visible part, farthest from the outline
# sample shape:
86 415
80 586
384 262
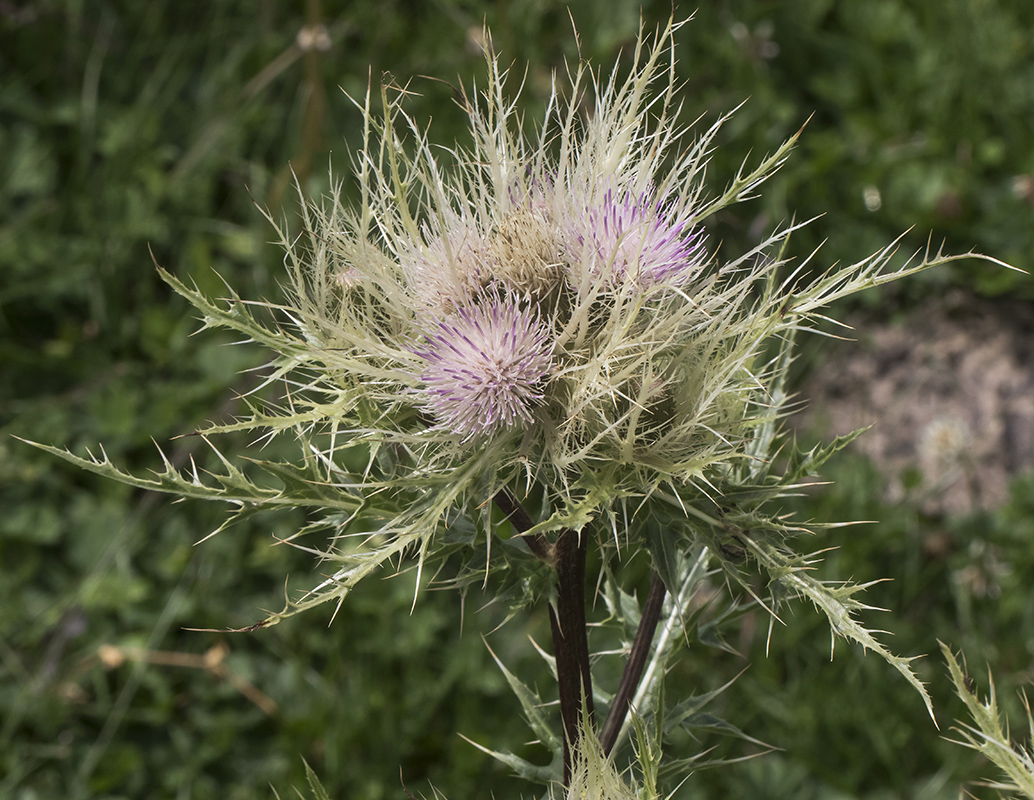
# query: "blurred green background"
133 133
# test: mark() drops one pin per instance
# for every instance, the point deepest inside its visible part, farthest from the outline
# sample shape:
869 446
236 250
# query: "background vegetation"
137 131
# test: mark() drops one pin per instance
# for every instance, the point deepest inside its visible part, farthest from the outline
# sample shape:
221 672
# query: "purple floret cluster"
485 367
635 237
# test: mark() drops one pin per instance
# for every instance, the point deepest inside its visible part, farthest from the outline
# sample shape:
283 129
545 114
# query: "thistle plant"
525 348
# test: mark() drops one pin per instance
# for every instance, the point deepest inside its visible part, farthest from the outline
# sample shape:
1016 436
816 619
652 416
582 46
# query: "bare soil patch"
949 393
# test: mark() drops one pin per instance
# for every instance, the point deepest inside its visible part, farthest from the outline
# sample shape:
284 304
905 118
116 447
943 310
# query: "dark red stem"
634 666
566 619
522 522
570 641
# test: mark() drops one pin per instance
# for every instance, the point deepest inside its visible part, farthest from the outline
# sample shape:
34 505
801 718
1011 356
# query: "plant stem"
522 521
634 666
566 620
672 623
570 641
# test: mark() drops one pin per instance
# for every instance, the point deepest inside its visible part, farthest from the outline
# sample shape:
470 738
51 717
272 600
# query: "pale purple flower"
627 236
445 270
485 367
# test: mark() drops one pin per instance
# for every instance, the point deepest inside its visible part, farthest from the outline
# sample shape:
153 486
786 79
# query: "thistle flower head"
485 368
635 236
555 284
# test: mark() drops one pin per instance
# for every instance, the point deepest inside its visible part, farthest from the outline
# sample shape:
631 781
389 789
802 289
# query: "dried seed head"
526 253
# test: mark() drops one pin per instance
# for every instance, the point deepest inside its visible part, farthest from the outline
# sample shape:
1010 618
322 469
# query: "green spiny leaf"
531 702
837 602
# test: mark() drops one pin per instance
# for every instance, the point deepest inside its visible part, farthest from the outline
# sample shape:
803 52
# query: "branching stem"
634 666
522 521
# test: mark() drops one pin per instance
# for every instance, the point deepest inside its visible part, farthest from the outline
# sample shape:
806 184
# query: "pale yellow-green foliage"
594 776
654 385
989 734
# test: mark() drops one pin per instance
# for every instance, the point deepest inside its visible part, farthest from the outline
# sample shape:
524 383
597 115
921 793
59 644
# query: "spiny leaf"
990 737
525 769
314 783
237 316
836 602
532 704
677 715
234 486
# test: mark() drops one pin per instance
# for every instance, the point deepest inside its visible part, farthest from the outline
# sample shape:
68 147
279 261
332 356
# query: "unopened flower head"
485 368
